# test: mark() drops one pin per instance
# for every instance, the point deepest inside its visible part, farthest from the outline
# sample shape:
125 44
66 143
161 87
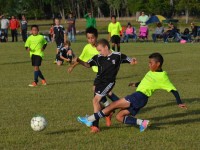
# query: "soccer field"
69 95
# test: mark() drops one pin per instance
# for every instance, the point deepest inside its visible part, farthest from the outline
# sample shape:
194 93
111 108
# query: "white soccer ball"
38 123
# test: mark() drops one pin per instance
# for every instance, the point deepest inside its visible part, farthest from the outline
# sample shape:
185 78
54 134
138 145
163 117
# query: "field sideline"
69 95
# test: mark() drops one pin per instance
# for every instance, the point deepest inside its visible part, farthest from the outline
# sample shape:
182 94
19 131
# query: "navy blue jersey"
108 66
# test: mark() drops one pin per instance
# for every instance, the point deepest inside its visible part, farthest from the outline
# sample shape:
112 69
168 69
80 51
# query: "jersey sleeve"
93 61
125 59
120 27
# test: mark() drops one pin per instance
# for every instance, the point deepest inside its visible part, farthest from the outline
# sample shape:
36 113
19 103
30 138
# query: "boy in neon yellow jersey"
114 29
35 44
155 79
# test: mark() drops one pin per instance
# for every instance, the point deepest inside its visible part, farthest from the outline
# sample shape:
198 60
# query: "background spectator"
158 32
24 26
4 26
14 25
143 19
71 30
90 21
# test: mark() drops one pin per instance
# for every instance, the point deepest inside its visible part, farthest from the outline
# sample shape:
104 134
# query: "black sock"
113 48
41 75
118 48
70 57
130 120
96 123
103 99
113 97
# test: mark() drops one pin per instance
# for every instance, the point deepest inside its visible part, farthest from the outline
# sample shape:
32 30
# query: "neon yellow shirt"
88 52
35 43
114 28
154 81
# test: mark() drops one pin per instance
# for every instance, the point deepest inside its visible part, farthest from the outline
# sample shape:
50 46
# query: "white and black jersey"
59 32
108 66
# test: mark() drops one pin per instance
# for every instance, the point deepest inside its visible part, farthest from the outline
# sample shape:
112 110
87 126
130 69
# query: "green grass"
69 95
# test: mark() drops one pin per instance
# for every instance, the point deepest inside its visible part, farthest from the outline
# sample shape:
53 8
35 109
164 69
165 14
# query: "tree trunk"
186 16
78 10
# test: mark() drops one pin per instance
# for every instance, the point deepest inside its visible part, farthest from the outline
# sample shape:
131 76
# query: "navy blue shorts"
137 100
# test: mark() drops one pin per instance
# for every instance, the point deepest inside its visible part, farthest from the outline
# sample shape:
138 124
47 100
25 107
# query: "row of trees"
100 8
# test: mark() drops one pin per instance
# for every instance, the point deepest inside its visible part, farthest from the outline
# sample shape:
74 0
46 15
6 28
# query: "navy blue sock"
130 120
99 115
41 75
113 97
36 74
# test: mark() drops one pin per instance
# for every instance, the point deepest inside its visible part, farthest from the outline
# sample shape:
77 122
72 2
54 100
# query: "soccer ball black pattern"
38 123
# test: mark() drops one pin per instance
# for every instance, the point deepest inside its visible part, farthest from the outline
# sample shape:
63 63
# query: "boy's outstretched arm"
178 99
83 63
73 65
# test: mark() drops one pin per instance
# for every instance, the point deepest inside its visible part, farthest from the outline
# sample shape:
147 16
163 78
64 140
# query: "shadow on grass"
62 131
12 63
186 101
83 81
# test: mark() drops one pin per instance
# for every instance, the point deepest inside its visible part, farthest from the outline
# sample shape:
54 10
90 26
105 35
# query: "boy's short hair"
113 16
92 30
67 43
35 26
158 57
103 42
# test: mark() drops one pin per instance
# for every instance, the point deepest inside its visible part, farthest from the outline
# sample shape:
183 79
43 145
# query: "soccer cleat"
55 62
94 129
144 125
34 84
85 121
44 82
108 120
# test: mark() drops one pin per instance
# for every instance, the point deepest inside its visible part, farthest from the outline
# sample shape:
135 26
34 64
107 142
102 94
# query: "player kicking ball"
130 105
108 63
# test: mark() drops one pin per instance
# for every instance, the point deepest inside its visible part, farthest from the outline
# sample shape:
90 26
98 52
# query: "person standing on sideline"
59 35
14 25
114 29
35 44
71 30
4 26
23 24
90 21
143 19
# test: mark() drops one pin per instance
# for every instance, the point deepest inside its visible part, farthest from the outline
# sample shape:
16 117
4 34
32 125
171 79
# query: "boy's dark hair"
92 30
104 43
158 57
35 26
113 16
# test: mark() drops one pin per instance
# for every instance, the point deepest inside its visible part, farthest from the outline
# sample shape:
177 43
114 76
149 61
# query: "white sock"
91 118
139 121
106 103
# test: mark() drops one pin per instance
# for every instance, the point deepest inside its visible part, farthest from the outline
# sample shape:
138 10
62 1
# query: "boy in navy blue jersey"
130 105
108 63
65 54
59 35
